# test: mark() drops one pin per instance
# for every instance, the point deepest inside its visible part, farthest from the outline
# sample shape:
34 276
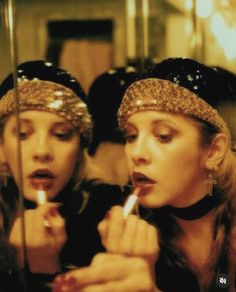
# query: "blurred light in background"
204 8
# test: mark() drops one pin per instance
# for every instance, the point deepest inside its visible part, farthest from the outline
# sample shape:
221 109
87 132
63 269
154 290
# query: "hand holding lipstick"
130 236
43 245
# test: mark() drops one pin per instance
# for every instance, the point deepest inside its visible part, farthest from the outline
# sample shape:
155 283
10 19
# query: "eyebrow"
27 121
155 122
164 121
56 123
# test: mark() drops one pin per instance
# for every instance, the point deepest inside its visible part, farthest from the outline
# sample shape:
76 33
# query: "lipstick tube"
41 197
130 203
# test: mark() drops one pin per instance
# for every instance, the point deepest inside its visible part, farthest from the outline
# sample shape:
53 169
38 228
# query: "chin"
153 202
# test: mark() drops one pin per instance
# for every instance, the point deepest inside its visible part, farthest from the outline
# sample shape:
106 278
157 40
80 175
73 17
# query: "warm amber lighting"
224 34
131 42
204 8
188 4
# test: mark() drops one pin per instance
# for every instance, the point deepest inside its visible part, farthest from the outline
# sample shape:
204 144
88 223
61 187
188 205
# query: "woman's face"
50 147
166 160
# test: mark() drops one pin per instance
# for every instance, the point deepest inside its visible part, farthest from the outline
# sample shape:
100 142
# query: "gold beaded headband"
48 96
164 95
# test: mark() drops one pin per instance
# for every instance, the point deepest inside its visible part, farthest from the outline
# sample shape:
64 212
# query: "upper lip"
42 172
139 178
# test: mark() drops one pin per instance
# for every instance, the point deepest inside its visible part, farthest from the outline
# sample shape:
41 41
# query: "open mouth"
42 178
141 179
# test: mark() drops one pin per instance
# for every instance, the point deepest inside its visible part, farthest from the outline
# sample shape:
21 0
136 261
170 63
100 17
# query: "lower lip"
143 188
41 183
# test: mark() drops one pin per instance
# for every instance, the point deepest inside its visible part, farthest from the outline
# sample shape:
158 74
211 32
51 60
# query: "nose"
140 153
42 151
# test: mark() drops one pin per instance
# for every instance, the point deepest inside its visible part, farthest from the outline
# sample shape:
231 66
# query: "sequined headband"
51 97
164 95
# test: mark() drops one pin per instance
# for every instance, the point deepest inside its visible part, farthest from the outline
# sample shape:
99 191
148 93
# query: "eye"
164 138
64 135
130 138
23 135
130 135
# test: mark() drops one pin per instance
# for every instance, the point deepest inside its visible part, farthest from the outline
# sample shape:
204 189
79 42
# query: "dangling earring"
4 174
211 183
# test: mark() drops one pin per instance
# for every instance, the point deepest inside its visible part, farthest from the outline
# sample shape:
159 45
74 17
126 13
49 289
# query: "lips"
141 180
42 178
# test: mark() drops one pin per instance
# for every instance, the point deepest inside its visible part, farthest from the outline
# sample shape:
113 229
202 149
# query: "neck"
197 244
200 226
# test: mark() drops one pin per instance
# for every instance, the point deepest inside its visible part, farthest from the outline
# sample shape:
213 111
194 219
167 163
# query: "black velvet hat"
104 98
43 70
197 77
227 106
230 79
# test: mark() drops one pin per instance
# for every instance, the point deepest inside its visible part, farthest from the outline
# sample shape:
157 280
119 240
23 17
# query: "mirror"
89 37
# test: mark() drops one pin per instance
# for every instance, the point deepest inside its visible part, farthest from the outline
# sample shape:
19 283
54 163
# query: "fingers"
52 220
112 230
108 273
152 244
53 233
131 236
128 244
42 241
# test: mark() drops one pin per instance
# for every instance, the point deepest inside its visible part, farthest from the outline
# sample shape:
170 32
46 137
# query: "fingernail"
53 212
108 215
63 284
58 282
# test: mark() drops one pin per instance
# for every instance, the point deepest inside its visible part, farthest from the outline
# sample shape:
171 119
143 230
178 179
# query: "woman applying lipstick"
180 158
54 129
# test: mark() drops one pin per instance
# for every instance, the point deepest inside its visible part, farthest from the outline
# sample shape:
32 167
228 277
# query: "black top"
84 241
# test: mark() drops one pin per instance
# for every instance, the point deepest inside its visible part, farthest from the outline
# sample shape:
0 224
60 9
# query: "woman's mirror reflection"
55 129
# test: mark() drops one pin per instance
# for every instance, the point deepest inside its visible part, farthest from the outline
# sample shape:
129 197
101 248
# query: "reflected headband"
48 96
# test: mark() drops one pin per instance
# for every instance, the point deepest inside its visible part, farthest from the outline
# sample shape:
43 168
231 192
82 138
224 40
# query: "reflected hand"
45 236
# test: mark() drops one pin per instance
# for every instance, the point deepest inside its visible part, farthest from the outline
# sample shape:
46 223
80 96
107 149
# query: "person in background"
106 157
227 106
183 170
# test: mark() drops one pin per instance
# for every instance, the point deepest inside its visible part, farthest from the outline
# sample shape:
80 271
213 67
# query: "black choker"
196 210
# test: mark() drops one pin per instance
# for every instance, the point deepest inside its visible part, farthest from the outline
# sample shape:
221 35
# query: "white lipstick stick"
41 197
41 200
130 203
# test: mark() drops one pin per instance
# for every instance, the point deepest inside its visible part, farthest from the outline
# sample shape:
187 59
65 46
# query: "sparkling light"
204 8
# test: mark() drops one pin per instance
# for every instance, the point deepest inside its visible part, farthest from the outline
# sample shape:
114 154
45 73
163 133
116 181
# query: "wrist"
51 267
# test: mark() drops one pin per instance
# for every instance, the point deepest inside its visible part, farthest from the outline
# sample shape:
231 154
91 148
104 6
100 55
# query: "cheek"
128 157
10 151
70 158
